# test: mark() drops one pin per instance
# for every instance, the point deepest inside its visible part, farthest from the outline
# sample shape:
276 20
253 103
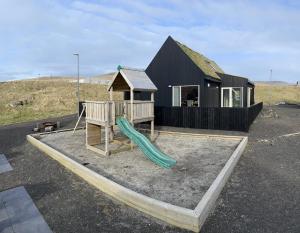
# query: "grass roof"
209 67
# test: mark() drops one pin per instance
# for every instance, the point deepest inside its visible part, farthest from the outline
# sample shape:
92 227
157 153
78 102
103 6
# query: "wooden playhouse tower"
103 114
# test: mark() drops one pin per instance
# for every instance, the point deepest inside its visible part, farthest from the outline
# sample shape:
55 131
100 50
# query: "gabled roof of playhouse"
130 78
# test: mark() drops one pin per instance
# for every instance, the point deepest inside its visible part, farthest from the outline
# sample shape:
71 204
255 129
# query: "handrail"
105 112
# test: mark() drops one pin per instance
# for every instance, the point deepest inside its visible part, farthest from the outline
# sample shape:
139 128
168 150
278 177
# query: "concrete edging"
207 202
172 214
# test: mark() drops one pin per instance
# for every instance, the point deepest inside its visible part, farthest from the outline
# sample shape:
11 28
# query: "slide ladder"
149 150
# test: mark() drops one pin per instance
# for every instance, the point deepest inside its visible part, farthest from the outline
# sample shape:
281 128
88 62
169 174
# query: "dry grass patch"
44 98
272 94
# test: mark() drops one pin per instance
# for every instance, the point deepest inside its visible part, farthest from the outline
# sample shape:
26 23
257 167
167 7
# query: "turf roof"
209 67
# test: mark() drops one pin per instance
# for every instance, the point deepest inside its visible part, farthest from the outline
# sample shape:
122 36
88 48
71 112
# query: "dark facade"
236 81
171 66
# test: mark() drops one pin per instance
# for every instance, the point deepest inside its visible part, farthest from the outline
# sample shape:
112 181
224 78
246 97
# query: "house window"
187 96
249 94
232 97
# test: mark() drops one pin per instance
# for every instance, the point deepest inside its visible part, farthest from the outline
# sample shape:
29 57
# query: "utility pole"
271 73
77 93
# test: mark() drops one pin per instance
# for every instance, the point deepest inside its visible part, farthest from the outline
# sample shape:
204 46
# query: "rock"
49 128
36 129
269 113
22 102
15 104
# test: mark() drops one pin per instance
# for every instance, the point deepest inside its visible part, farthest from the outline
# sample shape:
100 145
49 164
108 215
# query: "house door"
226 98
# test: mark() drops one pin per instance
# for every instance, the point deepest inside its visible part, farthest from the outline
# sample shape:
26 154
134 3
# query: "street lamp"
77 93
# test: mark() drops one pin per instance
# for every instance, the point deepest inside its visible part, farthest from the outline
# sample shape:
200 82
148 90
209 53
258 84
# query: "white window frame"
230 96
173 96
249 91
180 94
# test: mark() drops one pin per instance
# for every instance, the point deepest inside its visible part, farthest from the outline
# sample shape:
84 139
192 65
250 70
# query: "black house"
194 92
185 78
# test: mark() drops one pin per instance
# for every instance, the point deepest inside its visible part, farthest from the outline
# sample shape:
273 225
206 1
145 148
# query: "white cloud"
244 37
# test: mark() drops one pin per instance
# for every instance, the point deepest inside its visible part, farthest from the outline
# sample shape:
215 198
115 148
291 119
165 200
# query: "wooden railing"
102 112
119 108
105 112
141 110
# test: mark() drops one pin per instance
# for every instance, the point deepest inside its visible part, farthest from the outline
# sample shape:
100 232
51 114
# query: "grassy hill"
44 98
272 94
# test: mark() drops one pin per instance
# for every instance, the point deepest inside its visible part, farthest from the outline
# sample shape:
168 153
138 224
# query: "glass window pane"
176 96
225 97
189 96
236 97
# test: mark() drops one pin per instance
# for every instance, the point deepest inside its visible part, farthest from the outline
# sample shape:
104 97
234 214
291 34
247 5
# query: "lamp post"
77 93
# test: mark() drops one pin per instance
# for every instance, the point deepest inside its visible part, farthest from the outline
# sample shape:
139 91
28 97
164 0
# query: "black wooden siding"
238 119
235 81
172 67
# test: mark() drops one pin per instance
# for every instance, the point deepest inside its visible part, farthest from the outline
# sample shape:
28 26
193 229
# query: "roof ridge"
129 68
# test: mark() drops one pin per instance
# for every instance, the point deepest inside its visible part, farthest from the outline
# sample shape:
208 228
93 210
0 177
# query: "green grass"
208 66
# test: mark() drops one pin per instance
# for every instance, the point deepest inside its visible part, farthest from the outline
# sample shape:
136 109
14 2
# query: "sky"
246 38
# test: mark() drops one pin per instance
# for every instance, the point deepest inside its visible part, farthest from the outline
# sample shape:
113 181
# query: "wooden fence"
238 119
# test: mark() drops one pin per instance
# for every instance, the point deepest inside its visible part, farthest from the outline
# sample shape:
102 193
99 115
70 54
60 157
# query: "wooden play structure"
103 114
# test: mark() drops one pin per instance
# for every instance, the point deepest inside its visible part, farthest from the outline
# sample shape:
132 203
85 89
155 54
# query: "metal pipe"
77 93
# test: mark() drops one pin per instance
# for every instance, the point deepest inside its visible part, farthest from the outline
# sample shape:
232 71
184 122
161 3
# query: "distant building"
81 80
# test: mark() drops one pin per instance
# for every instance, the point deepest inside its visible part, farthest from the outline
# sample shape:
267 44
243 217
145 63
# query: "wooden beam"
131 105
152 122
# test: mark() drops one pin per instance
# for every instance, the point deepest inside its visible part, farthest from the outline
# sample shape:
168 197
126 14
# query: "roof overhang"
251 83
213 79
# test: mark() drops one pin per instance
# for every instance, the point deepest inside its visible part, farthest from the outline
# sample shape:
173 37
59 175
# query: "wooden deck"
105 112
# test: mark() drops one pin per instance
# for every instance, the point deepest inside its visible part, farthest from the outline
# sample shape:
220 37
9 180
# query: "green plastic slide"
149 150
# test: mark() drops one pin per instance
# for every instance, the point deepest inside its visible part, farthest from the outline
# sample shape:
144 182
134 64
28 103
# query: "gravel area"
199 161
261 196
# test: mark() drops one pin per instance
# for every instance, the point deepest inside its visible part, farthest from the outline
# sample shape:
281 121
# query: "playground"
199 161
172 176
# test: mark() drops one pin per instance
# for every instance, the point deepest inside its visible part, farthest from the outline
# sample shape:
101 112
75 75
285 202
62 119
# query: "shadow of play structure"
106 114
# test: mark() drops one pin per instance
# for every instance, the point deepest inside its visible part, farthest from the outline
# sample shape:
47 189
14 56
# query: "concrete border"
191 219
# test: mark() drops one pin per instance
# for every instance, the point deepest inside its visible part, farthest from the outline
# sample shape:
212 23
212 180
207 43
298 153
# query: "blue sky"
246 38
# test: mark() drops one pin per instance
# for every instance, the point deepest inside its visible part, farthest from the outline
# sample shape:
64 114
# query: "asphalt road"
262 195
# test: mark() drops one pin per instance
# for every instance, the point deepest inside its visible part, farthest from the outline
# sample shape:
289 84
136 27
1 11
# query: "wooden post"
113 110
131 105
107 120
125 110
106 140
152 122
131 113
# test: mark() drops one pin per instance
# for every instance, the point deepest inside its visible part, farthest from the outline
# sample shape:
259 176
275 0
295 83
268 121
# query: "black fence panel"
238 119
253 111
